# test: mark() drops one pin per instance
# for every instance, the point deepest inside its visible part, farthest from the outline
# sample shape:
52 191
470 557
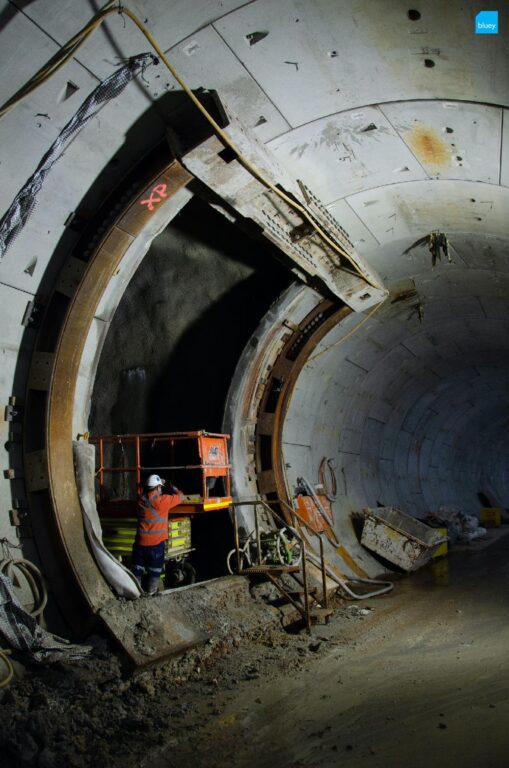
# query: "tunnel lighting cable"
242 159
350 333
70 49
330 494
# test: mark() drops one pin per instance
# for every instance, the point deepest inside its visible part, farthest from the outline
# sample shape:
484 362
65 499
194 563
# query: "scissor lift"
196 462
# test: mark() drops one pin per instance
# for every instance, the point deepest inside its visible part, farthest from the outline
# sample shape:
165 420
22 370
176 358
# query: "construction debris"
21 631
399 537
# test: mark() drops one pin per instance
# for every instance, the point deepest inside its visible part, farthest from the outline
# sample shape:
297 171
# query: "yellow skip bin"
491 517
444 547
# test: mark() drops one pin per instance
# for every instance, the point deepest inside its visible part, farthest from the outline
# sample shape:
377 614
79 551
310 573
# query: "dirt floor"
418 677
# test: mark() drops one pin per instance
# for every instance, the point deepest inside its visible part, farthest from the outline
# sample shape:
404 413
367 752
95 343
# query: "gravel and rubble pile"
99 712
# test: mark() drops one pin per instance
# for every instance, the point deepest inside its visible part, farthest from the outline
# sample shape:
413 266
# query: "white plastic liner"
120 579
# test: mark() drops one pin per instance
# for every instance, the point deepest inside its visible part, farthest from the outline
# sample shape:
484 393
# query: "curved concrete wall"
413 406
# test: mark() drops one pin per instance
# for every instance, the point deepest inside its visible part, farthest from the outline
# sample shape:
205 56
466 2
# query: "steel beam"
322 255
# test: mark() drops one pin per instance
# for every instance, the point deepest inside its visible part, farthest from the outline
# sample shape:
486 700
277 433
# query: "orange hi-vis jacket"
153 509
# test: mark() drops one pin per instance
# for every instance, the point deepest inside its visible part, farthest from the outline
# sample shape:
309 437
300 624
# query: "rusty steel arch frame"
73 575
275 400
274 403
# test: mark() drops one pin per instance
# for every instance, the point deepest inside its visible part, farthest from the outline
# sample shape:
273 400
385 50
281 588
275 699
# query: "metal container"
491 517
399 537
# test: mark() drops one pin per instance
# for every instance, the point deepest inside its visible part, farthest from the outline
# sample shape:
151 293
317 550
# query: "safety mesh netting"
22 632
24 203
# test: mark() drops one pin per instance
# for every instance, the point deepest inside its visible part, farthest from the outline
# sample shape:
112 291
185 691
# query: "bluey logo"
486 23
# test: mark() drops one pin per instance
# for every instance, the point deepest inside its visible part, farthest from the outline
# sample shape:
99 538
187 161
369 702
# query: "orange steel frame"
213 452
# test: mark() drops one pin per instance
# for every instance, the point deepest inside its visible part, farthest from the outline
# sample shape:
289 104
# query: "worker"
152 530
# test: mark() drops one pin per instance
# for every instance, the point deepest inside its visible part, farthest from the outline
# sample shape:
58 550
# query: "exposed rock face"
177 335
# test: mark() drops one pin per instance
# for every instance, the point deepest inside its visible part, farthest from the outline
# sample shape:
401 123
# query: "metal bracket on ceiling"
329 262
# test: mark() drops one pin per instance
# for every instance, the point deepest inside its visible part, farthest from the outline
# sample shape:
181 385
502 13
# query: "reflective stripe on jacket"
153 511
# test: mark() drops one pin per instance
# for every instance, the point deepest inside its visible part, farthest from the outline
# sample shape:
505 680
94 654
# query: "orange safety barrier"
193 461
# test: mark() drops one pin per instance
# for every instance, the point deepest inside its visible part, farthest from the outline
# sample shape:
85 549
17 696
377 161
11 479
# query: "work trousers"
149 561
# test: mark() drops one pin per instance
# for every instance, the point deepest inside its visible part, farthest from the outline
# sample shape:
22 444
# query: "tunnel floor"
420 680
417 677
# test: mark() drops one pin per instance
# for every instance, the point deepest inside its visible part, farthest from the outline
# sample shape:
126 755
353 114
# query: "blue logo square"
486 23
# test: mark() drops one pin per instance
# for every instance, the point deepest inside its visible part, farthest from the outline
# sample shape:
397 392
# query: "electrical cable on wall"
350 333
74 44
18 213
329 493
61 58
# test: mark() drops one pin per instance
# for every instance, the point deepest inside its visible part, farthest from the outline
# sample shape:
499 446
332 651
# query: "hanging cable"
386 586
242 159
70 49
329 493
350 333
15 218
123 484
67 52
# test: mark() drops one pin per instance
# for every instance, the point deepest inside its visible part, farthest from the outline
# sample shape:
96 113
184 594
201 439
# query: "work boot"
152 585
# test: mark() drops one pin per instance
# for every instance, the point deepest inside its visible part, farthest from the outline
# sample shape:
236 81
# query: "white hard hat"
153 481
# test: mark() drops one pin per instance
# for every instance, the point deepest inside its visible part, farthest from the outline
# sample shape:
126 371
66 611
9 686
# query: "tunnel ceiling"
397 124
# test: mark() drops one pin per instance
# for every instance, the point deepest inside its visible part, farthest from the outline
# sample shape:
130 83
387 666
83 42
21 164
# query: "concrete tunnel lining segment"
374 413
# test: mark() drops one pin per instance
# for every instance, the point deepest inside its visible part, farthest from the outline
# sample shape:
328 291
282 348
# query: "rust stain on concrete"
350 562
428 146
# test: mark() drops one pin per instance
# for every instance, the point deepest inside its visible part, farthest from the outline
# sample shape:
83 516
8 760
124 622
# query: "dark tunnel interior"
175 340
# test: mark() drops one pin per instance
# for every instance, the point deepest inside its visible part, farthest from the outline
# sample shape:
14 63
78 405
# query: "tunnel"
301 241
